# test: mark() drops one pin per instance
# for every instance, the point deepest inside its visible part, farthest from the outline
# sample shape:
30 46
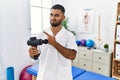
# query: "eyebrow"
55 14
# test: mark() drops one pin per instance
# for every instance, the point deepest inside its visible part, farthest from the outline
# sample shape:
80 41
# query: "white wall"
105 8
14 32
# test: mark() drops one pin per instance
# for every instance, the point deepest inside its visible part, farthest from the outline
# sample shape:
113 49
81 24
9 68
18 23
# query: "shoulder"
69 33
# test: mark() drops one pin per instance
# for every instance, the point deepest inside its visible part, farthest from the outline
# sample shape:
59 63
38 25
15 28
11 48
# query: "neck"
55 30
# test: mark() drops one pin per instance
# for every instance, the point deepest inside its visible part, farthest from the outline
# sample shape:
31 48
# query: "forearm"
67 53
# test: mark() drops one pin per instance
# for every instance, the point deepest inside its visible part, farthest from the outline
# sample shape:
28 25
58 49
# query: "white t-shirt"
52 65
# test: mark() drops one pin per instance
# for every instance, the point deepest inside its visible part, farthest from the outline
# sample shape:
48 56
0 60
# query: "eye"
57 15
51 14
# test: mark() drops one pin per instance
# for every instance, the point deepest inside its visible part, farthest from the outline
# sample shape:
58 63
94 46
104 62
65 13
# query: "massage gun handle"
36 56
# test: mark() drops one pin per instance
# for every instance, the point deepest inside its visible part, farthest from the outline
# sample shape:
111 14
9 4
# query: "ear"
63 17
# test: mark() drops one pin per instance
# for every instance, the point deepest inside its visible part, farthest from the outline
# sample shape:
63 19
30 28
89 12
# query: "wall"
107 11
14 32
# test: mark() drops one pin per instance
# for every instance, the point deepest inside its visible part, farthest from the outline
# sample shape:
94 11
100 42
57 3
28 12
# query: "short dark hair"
58 6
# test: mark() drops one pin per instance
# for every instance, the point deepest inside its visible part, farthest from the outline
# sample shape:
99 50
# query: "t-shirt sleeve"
71 44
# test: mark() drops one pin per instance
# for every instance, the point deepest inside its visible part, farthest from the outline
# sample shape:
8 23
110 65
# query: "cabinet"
116 53
94 60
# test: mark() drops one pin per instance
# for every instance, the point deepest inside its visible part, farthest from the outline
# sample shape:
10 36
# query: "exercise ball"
78 42
89 43
83 42
24 75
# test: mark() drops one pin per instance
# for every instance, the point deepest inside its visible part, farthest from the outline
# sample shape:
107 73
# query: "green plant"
106 45
65 22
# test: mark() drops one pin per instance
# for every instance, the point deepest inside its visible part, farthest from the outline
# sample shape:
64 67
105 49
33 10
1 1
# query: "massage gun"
35 42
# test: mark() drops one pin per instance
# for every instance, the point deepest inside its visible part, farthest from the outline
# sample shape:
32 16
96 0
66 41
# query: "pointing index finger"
46 33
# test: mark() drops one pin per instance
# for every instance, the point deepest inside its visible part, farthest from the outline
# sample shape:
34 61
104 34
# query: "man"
55 57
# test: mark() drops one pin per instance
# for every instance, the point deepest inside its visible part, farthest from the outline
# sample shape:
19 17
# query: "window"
40 10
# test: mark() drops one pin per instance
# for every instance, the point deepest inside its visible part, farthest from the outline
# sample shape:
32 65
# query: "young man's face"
56 17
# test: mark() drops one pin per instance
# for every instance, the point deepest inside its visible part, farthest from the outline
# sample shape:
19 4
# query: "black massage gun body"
35 42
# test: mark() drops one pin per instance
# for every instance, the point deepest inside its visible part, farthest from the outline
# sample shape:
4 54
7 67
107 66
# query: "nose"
52 17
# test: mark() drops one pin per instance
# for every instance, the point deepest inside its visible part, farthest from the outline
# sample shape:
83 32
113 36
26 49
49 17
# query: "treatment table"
78 74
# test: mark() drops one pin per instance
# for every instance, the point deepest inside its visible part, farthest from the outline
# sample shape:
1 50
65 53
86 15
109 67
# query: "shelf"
117 41
116 69
118 22
116 77
116 60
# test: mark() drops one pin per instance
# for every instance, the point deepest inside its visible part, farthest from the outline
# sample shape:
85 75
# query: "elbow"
73 56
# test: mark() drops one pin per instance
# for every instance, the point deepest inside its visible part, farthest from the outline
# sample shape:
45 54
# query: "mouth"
53 21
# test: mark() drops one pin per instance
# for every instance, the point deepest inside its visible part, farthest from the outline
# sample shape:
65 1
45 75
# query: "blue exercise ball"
83 42
78 42
89 43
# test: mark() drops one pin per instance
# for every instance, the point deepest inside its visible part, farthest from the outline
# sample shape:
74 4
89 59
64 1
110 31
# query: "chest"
62 39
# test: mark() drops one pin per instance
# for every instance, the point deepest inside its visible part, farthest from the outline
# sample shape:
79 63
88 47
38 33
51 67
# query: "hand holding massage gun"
35 42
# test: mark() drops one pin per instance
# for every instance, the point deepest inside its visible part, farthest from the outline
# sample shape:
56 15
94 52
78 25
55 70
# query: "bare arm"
68 53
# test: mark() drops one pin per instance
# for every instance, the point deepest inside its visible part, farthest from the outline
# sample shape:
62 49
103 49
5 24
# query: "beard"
55 24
